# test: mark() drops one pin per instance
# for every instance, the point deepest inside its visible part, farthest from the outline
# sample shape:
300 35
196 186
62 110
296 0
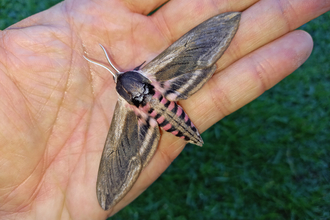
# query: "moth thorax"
134 88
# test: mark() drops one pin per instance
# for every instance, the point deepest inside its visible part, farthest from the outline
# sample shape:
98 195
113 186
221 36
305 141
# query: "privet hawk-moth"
147 100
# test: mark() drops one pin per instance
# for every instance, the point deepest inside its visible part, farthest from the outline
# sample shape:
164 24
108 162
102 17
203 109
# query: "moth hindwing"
147 101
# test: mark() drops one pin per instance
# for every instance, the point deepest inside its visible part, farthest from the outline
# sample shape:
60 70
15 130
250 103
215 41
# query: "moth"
147 100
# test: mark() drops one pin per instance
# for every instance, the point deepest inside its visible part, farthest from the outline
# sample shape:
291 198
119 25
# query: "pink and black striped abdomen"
171 118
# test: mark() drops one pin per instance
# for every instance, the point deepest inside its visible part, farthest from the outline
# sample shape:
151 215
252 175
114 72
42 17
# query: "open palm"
56 107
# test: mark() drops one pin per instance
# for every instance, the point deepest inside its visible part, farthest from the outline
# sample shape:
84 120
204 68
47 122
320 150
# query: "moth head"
134 88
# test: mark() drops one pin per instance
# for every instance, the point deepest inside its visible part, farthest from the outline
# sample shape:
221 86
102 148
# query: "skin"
56 107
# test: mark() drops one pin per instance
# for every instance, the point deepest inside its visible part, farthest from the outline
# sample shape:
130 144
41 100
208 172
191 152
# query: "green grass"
268 160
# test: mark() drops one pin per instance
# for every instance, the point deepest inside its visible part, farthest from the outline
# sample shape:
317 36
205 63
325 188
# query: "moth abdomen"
172 118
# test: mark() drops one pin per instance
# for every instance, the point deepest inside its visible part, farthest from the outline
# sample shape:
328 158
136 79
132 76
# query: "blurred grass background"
268 160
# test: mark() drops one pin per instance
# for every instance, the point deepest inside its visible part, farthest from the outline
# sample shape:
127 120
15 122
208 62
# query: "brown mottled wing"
185 66
129 146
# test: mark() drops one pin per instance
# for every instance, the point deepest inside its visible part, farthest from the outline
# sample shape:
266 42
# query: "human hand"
56 107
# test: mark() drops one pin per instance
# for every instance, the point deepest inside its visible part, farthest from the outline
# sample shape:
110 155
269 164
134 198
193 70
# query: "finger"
263 22
248 78
268 20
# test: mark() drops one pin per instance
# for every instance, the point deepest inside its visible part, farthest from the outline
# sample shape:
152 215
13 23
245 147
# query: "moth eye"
138 98
146 89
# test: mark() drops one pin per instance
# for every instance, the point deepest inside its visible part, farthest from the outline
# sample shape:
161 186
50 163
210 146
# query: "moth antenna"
138 67
106 54
99 64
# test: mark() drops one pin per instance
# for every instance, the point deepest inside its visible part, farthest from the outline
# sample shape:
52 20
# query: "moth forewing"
147 98
201 47
185 66
130 143
120 165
